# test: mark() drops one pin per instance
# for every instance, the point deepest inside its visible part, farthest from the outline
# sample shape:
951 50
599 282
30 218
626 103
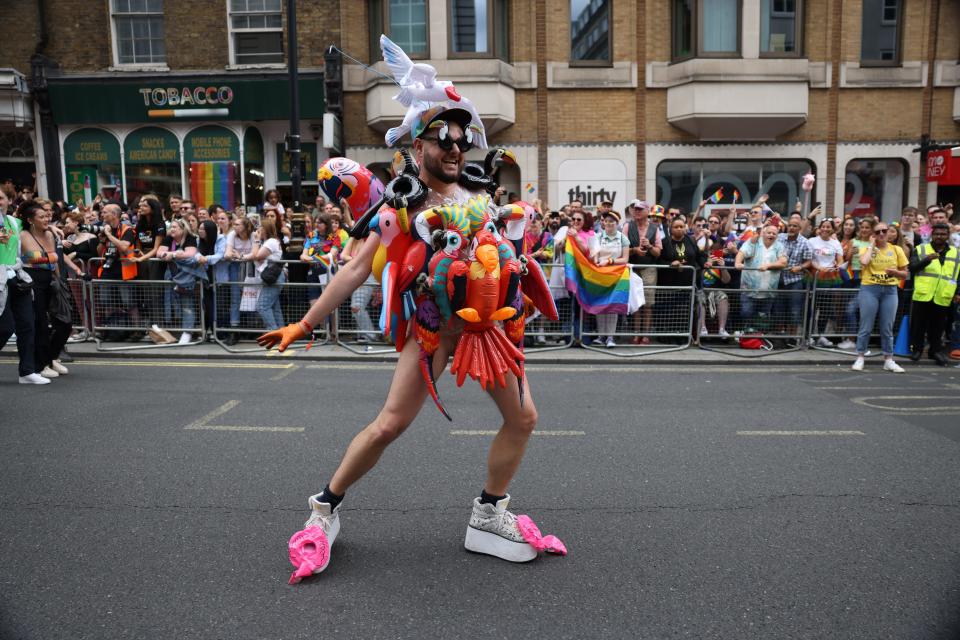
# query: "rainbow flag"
530 188
212 182
598 289
736 196
717 196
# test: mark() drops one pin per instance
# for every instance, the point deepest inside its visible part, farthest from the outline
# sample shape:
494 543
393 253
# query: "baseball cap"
639 204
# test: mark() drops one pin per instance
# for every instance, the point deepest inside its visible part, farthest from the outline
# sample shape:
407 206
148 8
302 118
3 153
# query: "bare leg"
508 446
723 311
404 400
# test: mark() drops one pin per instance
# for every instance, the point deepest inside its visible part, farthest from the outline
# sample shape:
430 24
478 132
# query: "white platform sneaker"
329 519
493 531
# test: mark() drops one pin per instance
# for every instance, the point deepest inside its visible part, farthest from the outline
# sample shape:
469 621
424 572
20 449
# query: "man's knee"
387 428
525 421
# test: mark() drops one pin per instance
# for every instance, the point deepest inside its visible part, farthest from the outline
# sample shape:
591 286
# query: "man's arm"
345 282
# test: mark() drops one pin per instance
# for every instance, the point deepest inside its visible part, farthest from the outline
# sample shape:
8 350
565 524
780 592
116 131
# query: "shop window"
403 21
256 32
780 28
590 37
138 32
91 159
875 187
253 186
683 184
705 28
212 165
152 161
880 32
478 28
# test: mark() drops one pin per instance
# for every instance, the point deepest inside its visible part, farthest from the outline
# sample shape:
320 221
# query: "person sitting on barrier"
679 250
760 259
117 254
936 268
179 249
269 251
793 279
42 255
239 246
827 258
883 265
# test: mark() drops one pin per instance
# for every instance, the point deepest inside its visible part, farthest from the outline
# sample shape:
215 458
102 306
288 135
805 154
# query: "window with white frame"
138 32
256 31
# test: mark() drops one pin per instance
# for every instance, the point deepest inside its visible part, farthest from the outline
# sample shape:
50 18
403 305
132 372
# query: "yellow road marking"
943 409
283 374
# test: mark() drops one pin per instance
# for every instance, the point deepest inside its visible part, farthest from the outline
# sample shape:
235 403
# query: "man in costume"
442 132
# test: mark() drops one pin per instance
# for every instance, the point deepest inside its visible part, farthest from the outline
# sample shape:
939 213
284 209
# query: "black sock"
486 498
330 497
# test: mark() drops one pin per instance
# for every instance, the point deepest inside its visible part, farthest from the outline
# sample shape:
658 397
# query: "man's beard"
435 169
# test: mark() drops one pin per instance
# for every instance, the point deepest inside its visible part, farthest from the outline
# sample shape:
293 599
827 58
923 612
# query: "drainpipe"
46 127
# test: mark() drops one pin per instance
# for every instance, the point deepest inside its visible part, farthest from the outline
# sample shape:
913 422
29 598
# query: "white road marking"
935 410
802 433
224 427
533 366
202 423
283 374
860 388
485 432
210 364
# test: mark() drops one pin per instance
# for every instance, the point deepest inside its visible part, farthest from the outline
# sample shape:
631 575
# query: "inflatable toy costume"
443 262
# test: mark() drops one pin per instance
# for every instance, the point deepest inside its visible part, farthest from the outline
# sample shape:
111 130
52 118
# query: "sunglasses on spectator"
879 231
446 143
578 219
187 208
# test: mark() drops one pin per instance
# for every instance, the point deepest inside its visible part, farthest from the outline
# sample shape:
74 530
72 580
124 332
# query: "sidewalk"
691 356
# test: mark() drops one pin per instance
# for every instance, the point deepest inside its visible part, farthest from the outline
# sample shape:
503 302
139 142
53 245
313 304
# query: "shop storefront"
18 158
215 140
943 167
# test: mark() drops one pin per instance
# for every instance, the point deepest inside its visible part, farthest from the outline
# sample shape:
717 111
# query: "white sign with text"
593 180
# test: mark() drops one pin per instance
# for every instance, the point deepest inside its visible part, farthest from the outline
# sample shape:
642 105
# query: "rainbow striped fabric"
212 182
598 289
717 196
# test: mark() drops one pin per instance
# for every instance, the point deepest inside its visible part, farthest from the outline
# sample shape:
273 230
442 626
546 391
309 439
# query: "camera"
95 228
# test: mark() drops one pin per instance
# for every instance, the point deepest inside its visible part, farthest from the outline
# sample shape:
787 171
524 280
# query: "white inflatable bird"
420 90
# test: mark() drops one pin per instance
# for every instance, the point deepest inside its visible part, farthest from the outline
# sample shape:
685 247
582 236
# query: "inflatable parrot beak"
324 174
488 256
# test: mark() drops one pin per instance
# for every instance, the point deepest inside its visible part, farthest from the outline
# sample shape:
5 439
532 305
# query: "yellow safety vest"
937 282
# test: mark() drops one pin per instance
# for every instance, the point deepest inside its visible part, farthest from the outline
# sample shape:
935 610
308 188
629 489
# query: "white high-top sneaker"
329 519
493 530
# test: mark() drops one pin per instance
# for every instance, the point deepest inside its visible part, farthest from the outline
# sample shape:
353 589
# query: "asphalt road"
684 516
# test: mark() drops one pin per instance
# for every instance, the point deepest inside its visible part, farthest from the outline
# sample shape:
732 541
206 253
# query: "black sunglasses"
446 143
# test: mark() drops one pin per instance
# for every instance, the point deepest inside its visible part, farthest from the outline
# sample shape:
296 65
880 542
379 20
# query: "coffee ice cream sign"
187 102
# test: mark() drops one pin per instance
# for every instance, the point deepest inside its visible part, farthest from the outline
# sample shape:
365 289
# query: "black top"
686 251
111 256
148 229
189 241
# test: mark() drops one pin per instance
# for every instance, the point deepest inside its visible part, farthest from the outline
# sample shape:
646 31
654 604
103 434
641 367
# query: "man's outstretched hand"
286 336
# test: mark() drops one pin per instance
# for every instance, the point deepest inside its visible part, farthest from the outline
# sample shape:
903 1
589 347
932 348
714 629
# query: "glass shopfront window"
91 159
152 159
875 187
590 25
253 187
683 184
212 163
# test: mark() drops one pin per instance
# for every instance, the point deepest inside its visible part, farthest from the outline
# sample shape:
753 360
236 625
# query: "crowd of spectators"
743 271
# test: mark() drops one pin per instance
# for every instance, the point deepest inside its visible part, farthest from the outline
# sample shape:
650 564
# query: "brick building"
169 96
665 100
671 100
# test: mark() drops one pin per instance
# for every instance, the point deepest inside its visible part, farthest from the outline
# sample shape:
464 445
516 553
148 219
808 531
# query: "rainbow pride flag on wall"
212 182
598 289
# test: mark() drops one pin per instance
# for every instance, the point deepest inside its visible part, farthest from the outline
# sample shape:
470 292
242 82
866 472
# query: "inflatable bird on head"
422 93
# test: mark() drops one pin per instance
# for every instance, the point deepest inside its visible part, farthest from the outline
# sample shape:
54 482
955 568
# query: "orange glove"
286 336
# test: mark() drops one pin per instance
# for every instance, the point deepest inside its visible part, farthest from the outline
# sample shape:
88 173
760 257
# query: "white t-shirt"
276 254
240 247
605 246
825 252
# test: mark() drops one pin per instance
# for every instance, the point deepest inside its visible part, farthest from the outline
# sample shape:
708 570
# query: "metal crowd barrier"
839 306
126 310
671 318
80 307
766 314
237 307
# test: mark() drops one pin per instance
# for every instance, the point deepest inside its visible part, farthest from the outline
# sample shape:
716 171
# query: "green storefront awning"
167 99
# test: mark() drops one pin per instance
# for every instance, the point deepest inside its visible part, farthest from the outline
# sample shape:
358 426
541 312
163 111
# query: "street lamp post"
293 138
